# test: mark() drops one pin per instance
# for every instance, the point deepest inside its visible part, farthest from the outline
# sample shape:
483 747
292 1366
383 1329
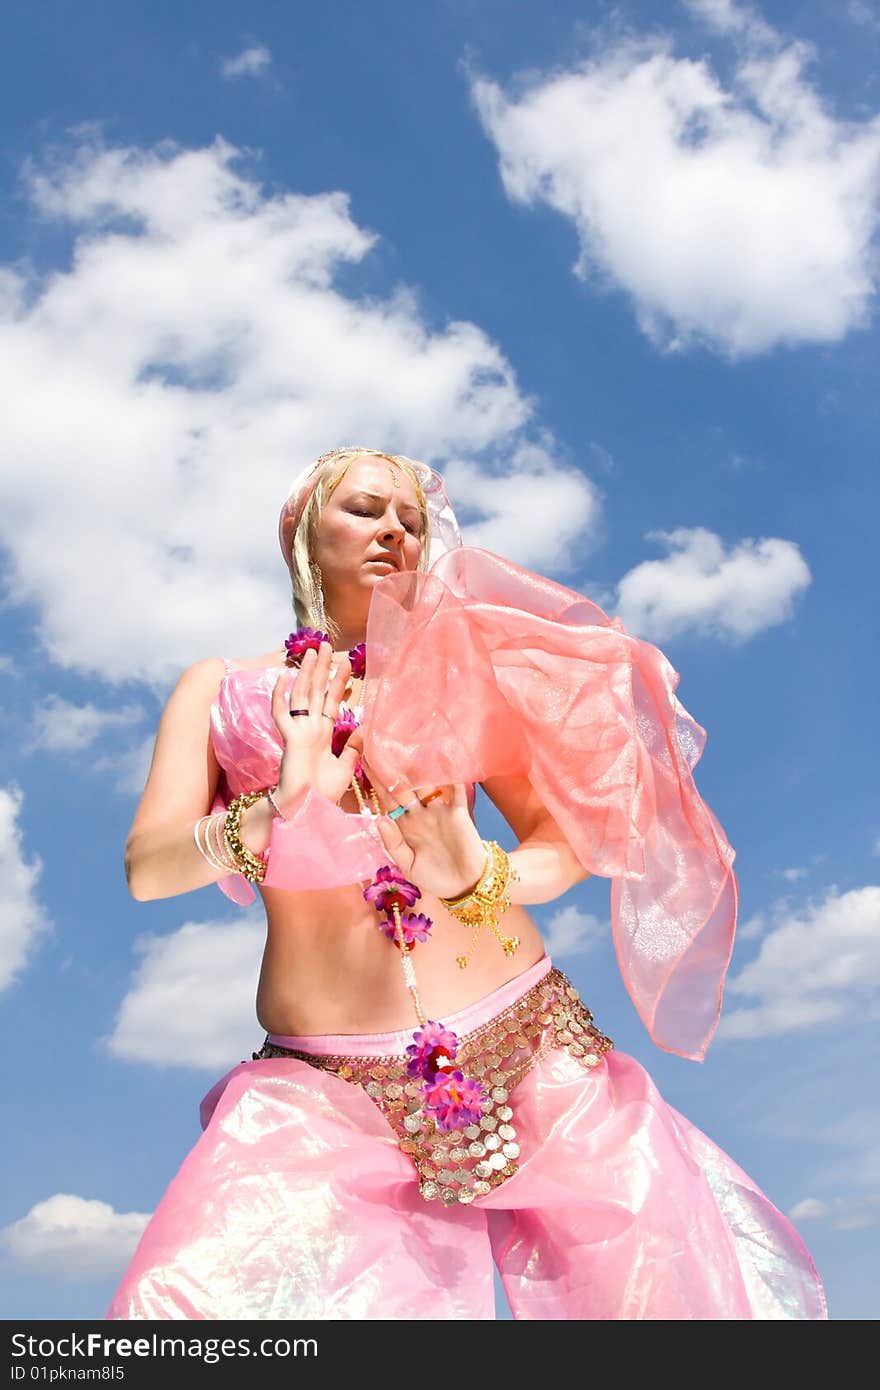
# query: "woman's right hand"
308 759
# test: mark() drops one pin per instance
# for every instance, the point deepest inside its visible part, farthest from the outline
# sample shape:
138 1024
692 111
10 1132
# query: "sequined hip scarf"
459 1165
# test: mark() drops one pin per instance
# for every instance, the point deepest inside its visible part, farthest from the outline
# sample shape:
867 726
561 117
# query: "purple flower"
298 642
346 723
453 1101
358 656
432 1050
415 926
390 889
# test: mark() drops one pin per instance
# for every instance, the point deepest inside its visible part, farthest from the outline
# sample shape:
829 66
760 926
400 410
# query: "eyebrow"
377 497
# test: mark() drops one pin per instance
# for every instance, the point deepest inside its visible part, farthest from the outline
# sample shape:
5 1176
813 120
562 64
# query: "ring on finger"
295 712
423 801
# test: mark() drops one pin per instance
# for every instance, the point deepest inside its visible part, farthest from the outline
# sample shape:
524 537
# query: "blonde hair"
308 590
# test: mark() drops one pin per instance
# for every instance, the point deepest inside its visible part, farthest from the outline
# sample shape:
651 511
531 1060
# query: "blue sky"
612 269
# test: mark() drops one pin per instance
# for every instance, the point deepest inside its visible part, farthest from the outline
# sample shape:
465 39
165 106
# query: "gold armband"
485 903
253 866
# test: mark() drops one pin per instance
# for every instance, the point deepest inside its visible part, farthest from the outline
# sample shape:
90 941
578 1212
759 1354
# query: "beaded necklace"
452 1100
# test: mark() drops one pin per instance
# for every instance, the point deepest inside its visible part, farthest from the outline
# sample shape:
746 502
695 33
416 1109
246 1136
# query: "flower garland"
451 1099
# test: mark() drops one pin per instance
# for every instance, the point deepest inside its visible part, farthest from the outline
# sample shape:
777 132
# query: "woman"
432 1095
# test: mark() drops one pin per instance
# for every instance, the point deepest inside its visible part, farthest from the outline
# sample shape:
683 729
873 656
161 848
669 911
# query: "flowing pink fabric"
298 1203
517 674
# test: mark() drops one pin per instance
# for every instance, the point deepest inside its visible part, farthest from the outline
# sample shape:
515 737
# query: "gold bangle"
253 866
487 901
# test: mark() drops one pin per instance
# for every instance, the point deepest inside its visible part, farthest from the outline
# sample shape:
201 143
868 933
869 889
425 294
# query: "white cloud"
252 60
217 963
810 1209
73 1238
747 931
129 768
571 932
861 13
816 965
173 380
727 17
738 217
22 918
534 510
702 587
792 875
857 1213
61 726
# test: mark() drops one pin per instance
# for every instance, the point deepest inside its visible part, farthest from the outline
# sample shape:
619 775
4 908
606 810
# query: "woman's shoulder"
266 661
199 683
211 669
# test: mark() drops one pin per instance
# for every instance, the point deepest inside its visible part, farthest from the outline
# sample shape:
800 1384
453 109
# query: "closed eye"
407 525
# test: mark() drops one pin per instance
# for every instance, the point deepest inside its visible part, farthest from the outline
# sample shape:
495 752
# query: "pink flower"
432 1050
346 723
390 889
453 1101
298 642
415 927
358 657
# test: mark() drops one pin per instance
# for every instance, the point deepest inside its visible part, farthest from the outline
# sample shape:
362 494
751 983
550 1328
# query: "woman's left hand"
434 842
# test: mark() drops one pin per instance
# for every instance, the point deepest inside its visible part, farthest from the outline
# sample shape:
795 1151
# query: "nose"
393 532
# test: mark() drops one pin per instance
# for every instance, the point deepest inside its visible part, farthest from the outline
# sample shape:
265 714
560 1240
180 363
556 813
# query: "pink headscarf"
444 530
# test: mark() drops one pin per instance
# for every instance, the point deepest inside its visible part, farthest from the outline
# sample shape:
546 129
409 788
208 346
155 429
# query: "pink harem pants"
318 1191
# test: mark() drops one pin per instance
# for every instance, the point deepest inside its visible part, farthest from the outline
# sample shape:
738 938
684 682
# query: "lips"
387 559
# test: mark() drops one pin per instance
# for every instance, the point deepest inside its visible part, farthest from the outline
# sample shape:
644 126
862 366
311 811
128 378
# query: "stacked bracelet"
218 837
486 902
214 849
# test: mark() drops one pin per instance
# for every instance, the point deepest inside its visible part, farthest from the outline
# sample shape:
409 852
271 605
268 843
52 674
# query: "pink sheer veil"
505 671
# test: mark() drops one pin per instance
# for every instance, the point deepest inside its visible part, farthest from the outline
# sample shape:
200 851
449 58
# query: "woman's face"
370 527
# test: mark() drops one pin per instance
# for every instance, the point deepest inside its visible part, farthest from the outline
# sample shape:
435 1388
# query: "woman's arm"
545 862
439 847
161 858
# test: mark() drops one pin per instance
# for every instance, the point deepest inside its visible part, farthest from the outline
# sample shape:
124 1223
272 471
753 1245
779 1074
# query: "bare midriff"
327 968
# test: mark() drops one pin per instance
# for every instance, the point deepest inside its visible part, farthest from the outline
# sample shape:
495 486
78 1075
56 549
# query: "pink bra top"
246 742
244 735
